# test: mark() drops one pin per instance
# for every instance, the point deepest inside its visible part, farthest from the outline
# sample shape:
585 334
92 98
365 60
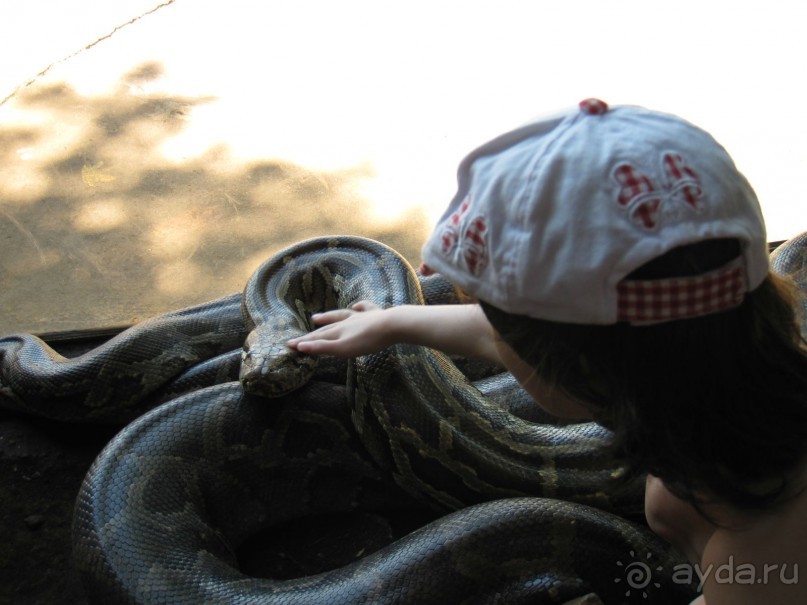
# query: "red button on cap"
594 107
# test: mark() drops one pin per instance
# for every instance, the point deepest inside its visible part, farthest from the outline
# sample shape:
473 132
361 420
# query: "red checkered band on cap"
658 300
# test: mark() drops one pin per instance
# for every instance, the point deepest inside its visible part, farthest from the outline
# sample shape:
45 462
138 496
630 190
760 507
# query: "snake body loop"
164 508
167 503
790 259
119 380
420 418
316 275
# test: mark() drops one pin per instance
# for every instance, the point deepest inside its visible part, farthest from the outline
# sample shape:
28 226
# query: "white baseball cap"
551 217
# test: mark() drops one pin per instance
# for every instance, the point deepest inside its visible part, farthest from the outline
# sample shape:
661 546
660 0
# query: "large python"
166 503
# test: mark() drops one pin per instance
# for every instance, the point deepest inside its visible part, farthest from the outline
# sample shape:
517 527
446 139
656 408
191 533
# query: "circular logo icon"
637 575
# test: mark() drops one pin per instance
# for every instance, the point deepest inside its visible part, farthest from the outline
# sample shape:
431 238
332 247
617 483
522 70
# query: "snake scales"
166 503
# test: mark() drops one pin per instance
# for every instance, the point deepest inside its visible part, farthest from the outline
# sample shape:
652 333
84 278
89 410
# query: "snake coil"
528 517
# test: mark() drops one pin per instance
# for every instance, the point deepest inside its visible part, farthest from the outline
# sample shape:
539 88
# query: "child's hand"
360 330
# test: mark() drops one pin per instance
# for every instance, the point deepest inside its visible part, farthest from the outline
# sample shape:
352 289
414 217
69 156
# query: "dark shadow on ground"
99 228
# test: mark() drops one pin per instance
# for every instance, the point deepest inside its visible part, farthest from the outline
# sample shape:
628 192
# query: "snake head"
270 368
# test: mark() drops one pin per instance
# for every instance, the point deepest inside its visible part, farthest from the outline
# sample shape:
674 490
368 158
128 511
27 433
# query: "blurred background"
152 154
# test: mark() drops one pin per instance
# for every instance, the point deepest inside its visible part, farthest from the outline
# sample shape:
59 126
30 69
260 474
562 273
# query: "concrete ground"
152 154
122 194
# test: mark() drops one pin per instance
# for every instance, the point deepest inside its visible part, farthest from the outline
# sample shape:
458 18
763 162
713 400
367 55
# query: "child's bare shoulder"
761 558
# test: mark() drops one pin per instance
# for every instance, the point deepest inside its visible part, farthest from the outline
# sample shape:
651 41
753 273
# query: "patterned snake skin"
165 506
791 259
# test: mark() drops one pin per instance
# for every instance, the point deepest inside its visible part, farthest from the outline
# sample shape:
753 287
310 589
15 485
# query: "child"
621 268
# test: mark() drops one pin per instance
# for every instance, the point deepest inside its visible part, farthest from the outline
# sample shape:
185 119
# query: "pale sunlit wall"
409 89
405 89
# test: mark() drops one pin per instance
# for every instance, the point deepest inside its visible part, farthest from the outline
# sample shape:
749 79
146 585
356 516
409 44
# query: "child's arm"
366 328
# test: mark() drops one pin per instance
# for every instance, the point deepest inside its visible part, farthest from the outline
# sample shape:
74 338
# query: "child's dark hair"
715 406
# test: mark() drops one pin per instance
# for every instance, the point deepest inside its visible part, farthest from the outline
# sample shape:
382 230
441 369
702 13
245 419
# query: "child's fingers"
365 305
309 346
328 342
311 341
329 317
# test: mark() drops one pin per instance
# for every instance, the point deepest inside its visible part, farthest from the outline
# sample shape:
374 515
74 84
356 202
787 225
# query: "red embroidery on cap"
469 235
643 197
593 107
475 246
635 185
683 180
449 234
